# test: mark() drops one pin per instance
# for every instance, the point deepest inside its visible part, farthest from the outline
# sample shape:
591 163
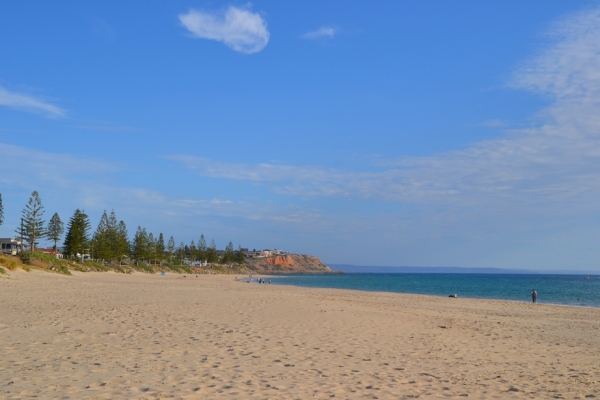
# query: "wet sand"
107 335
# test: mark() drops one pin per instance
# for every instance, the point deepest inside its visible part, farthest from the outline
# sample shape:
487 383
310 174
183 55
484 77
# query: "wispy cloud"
494 123
546 165
103 30
323 32
240 29
89 186
55 169
29 103
105 127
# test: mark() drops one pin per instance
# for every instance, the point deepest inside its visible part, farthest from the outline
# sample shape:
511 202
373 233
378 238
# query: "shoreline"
146 336
366 290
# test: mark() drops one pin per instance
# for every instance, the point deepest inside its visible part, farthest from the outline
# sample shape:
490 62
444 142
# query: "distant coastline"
349 269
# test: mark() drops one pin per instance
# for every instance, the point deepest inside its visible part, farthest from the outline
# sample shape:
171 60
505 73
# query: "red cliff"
288 264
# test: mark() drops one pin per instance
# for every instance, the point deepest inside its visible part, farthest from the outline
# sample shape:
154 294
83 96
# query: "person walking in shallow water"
534 296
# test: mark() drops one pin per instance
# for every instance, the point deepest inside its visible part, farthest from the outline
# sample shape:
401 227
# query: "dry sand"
107 335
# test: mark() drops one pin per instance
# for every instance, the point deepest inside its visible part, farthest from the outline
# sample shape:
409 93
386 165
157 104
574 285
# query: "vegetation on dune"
142 266
47 260
173 267
109 248
186 269
12 263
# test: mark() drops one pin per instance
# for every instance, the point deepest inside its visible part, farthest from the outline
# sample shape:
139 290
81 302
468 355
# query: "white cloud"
240 29
323 32
29 103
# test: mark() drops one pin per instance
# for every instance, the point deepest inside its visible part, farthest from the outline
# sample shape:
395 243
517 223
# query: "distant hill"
449 270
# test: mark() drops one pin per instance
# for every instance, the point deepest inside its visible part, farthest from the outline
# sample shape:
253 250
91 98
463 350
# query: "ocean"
568 290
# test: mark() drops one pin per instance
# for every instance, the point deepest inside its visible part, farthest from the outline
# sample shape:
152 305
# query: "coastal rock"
280 260
288 264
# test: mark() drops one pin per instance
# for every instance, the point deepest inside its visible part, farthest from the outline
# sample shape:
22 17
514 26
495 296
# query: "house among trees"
10 246
52 252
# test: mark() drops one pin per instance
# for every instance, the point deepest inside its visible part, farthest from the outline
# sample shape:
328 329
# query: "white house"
10 246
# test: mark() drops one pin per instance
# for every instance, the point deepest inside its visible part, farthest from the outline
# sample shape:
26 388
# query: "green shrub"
63 270
2 271
173 267
48 259
96 266
186 269
144 267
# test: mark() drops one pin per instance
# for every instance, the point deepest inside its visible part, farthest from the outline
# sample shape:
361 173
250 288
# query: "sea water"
570 290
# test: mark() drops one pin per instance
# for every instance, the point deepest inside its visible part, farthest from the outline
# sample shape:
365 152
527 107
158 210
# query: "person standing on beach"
534 296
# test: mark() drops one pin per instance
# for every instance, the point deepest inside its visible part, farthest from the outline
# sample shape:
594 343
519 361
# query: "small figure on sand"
534 296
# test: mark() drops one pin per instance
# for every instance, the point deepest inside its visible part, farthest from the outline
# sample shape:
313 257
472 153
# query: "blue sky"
407 133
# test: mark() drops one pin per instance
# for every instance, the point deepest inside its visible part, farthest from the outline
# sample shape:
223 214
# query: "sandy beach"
108 335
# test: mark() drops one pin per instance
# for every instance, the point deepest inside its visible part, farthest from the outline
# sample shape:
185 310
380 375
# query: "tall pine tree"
239 256
160 247
193 252
122 241
1 210
181 253
228 254
100 241
110 240
139 244
202 249
171 248
211 253
33 224
77 239
151 247
112 236
55 229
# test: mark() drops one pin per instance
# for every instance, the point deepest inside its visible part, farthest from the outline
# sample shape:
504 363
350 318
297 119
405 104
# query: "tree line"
110 241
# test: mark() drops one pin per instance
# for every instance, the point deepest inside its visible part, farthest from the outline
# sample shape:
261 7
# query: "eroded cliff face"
288 264
281 260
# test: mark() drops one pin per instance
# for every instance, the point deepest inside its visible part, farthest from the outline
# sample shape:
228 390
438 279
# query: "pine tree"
193 252
202 248
1 210
112 236
33 225
77 239
160 247
151 247
181 253
211 253
100 241
239 256
140 243
55 229
122 241
171 248
228 254
146 244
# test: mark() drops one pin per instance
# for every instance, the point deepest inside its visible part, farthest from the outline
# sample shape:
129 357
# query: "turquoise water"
551 289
